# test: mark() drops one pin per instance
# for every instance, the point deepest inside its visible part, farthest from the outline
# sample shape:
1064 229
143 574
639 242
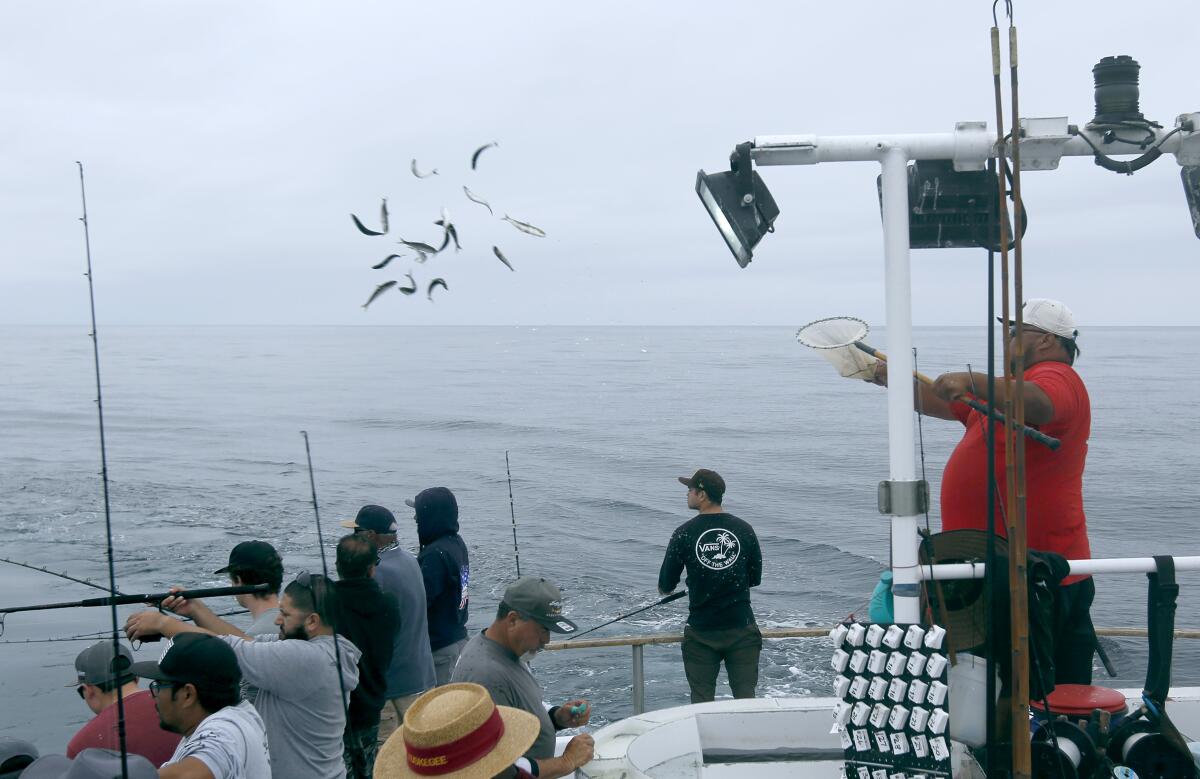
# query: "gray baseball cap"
538 599
95 665
91 763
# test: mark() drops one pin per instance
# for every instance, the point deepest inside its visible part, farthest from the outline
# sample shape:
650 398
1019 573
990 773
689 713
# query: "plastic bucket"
968 699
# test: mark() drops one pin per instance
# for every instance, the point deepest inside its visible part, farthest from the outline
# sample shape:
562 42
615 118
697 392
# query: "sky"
227 143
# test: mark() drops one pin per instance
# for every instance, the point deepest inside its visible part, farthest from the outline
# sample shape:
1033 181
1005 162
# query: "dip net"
834 338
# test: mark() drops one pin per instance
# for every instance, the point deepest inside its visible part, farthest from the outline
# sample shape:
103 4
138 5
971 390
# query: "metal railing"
638 643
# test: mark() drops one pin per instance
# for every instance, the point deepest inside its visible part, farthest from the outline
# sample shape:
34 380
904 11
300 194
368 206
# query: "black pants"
703 651
1074 636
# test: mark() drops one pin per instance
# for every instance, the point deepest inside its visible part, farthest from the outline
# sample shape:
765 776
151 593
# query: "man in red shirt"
97 680
1056 402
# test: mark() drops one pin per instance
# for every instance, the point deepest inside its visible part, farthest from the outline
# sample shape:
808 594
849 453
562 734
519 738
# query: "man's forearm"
554 767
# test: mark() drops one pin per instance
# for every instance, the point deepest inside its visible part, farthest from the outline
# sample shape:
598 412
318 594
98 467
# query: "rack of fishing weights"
894 712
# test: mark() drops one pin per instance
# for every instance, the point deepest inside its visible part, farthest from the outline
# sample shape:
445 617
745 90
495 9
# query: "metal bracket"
969 138
1189 140
903 498
1043 140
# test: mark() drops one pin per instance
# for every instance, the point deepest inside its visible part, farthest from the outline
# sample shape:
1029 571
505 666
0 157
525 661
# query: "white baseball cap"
1049 315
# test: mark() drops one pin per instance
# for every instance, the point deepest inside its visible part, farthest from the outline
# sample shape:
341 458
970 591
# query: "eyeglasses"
79 690
156 685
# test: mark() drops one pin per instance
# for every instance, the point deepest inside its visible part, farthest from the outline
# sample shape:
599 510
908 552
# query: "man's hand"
880 377
573 714
147 623
952 386
182 606
579 750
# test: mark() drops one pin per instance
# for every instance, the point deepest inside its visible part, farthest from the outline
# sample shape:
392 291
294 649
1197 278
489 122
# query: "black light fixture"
1116 80
949 209
739 203
1191 190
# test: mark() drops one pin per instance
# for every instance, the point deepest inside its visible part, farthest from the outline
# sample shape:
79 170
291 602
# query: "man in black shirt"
723 561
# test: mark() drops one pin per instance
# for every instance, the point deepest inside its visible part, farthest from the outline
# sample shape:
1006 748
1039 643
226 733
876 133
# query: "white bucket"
968 699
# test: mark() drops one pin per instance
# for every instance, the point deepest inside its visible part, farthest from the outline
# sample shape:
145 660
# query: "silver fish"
481 150
524 227
476 199
421 256
382 288
383 263
451 233
500 256
362 228
408 290
420 247
383 215
419 174
436 282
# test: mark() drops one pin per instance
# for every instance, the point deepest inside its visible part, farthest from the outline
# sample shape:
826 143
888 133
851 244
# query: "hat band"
458 754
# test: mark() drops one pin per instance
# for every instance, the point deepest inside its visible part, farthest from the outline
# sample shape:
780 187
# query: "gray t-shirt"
510 682
300 700
230 742
411 669
262 625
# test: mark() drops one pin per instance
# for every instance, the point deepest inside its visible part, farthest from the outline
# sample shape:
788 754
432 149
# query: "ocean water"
205 451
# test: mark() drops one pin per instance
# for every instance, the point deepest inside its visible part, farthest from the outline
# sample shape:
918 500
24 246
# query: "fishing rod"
513 511
668 599
67 576
112 576
126 600
337 649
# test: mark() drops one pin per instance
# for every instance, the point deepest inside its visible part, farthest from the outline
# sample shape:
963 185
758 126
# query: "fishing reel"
1063 749
1144 749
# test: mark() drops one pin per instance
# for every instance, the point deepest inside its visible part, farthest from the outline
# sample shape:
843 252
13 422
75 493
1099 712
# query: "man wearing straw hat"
1057 403
530 611
458 732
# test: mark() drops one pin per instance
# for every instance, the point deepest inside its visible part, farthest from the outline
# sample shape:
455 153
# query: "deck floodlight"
949 209
739 203
1191 190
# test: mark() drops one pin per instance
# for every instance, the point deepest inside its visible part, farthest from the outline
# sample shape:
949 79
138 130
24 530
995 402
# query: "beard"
298 633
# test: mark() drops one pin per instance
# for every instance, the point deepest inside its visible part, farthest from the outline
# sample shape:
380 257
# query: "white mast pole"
901 443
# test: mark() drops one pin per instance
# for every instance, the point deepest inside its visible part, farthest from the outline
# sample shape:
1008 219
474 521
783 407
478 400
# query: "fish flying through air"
419 174
382 288
383 218
408 290
500 256
436 282
525 227
480 150
383 263
424 248
477 199
450 233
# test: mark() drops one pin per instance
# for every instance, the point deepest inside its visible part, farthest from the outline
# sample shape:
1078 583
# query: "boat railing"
637 645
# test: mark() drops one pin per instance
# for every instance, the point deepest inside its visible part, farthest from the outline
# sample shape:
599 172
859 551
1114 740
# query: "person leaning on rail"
98 678
300 686
530 610
256 562
1056 403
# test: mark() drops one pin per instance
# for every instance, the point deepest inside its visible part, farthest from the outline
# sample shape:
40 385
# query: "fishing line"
921 435
668 599
513 511
112 576
337 649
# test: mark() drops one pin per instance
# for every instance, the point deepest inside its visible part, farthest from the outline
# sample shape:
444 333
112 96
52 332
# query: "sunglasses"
79 690
156 685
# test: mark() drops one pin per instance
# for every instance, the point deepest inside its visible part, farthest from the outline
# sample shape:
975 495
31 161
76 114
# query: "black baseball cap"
537 599
197 658
371 517
708 482
252 556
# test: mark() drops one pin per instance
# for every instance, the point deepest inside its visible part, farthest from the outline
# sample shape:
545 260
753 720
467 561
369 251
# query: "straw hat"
963 612
456 731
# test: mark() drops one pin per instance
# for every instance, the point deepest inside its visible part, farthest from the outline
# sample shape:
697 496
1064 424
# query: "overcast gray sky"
226 144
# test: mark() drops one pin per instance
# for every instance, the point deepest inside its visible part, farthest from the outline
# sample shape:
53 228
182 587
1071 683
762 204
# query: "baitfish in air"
481 150
477 199
418 173
383 263
382 288
524 227
411 289
500 256
435 283
383 218
420 247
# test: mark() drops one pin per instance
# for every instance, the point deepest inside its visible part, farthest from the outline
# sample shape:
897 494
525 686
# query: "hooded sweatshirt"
445 566
370 618
300 700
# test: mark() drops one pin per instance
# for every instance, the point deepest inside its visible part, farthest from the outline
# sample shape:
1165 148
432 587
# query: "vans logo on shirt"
717 548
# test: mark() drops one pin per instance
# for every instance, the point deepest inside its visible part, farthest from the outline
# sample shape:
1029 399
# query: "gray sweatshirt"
300 700
411 670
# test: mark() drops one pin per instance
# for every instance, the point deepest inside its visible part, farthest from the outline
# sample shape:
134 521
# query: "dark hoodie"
370 618
445 566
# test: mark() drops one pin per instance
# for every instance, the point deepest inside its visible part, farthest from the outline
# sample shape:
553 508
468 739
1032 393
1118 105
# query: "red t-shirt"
1053 480
143 735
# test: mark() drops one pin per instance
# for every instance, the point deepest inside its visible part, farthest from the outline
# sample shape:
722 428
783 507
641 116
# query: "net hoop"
833 332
